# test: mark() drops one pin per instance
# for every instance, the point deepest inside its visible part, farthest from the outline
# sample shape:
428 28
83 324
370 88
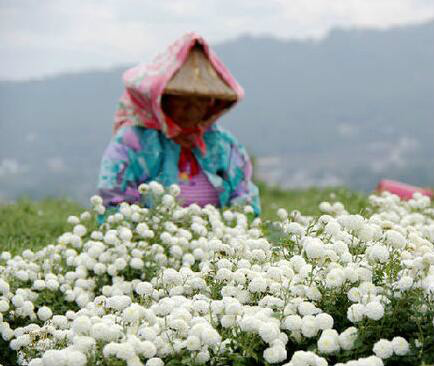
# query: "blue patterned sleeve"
245 192
120 172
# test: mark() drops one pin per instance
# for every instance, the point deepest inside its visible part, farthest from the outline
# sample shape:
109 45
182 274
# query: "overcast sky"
45 37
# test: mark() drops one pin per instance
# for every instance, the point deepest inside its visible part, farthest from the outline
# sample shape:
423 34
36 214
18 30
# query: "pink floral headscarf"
144 85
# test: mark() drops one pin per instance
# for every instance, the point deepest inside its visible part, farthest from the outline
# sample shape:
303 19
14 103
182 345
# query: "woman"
165 130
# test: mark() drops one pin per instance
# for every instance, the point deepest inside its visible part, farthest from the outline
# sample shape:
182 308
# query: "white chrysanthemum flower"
4 286
143 188
168 201
249 324
354 294
52 284
268 332
400 346
324 321
371 361
309 328
36 362
100 210
174 190
217 307
313 247
4 306
110 349
325 206
165 306
111 237
228 215
119 302
282 214
147 349
125 234
60 321
248 210
5 256
292 322
228 321
132 313
21 341
328 342
18 301
297 262
351 222
307 308
144 288
335 278
233 307
275 354
73 220
81 325
22 275
395 239
258 284
76 358
303 358
378 253
27 308
356 313
347 338
193 343
155 361
100 268
79 230
332 228
136 263
223 274
364 274
156 188
366 233
172 277
405 283
125 210
96 200
55 358
295 228
147 333
125 351
7 333
374 310
383 349
203 357
210 336
44 313
120 264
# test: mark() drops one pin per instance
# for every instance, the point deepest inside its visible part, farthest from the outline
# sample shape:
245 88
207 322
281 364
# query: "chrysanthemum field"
200 286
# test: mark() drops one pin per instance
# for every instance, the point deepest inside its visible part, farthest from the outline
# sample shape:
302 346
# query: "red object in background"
405 191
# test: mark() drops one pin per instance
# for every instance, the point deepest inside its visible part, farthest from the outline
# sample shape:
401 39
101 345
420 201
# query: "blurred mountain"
349 109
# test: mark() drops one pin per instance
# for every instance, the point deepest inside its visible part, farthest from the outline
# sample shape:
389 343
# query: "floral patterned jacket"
138 155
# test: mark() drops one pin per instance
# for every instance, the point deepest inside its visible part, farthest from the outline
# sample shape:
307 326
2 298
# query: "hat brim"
197 77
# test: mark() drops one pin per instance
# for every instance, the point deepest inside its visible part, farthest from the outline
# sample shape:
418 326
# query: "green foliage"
307 200
32 225
58 304
7 357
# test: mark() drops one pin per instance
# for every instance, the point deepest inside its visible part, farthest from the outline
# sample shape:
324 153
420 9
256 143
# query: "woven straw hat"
197 76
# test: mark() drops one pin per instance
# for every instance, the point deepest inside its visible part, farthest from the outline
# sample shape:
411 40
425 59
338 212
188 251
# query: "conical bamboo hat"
197 76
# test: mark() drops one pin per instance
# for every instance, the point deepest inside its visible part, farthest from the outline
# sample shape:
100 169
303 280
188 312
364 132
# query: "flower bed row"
183 286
